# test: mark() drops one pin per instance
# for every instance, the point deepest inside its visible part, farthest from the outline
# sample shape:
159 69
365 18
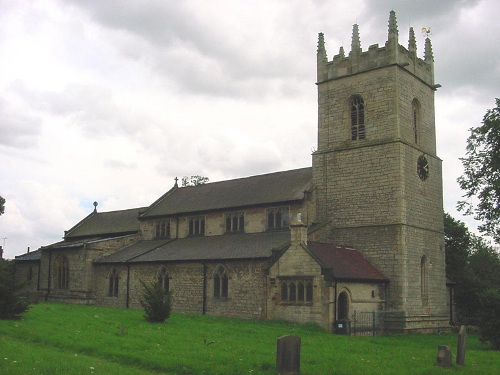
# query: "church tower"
377 174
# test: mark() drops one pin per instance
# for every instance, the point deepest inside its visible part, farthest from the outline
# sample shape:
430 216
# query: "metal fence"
365 323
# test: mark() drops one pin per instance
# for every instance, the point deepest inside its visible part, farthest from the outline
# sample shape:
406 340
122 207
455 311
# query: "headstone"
288 355
462 336
444 356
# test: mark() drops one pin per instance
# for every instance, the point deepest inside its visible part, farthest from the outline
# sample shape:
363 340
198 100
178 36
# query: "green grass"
68 339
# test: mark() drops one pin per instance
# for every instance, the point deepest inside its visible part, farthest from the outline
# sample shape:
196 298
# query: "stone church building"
359 231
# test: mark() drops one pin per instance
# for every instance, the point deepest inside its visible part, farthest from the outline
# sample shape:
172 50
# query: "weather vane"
426 31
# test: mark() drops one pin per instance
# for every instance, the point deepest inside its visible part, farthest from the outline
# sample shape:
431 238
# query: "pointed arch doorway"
343 306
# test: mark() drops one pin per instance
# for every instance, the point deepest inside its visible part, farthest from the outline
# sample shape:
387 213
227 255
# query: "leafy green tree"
481 177
156 302
194 180
12 305
2 205
489 324
472 264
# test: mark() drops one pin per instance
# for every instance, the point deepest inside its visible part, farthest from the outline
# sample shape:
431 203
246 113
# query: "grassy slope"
62 339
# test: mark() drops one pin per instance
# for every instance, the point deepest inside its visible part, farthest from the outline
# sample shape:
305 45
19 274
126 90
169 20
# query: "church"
359 232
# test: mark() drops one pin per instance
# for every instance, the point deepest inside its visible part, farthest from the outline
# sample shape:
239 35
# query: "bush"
489 324
12 304
156 302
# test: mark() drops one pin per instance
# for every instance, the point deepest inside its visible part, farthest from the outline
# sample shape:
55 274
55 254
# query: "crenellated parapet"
392 53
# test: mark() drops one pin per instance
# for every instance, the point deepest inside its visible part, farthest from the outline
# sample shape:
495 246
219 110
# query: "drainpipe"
49 276
128 288
204 300
38 278
335 304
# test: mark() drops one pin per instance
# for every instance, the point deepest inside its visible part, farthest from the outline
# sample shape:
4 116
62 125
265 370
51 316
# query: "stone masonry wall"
246 287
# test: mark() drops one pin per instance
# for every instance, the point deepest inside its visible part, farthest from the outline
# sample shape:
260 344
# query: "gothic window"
357 118
415 119
277 218
235 222
296 290
163 278
163 229
424 282
62 272
113 283
197 226
220 283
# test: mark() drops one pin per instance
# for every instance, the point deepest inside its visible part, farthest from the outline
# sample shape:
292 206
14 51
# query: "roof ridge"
245 178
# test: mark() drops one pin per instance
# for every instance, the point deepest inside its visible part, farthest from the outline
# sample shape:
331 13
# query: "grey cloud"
18 129
200 55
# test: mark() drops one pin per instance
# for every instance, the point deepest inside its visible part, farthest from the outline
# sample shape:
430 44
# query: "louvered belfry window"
357 118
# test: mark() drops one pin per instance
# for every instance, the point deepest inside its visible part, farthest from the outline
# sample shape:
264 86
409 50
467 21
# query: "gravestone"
288 355
462 336
444 356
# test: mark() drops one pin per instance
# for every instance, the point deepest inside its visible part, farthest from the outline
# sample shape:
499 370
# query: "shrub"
489 324
12 304
156 302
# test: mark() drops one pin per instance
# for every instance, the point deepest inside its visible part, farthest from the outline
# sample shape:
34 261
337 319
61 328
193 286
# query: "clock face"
422 167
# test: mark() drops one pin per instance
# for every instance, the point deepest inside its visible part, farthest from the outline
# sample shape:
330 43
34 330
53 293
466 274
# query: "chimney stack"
298 231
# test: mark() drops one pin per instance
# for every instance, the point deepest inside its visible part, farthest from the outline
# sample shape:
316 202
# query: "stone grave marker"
444 356
462 337
288 355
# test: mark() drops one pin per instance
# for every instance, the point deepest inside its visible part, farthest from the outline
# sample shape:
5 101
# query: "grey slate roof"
29 257
242 192
202 248
100 224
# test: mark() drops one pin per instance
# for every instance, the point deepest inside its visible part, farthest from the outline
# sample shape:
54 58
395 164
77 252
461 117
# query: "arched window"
220 283
424 281
113 283
415 118
163 278
163 229
343 306
296 290
62 272
357 118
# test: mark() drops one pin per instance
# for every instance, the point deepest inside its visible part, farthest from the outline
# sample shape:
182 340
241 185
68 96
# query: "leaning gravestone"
462 336
288 355
444 356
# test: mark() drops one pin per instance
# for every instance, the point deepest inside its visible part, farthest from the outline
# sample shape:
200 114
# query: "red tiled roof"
344 263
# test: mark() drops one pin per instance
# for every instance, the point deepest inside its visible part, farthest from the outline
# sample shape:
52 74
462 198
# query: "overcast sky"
108 101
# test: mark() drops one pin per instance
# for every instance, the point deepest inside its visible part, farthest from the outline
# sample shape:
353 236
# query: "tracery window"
163 229
277 218
62 272
357 118
235 222
221 283
163 278
113 283
296 290
197 226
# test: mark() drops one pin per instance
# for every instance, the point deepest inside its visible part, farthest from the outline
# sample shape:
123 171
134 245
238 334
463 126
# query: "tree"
156 302
481 177
472 264
12 305
2 205
194 180
489 325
